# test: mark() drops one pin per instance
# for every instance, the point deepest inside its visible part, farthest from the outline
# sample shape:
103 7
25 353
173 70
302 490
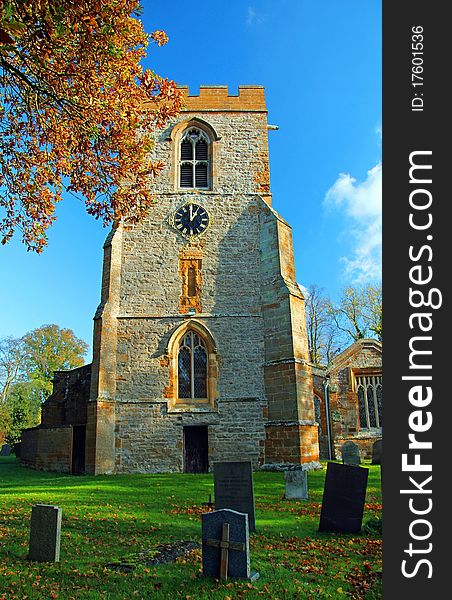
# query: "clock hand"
193 216
191 213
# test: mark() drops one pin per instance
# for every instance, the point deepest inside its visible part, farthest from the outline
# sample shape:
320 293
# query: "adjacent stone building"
348 398
200 351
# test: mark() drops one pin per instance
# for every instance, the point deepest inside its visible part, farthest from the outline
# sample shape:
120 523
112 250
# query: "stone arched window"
195 159
369 388
193 366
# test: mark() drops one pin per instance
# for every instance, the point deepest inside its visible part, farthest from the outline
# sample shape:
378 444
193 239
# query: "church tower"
200 346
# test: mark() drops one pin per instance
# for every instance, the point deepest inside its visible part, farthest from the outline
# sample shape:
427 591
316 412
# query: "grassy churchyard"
110 520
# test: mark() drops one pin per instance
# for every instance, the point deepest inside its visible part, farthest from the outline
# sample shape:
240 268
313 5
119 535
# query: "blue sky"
320 62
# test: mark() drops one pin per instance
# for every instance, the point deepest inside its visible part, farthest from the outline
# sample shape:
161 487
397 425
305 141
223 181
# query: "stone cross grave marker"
343 499
377 452
350 454
233 488
296 484
45 533
225 545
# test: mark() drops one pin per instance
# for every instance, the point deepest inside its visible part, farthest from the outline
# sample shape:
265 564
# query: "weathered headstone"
225 545
296 484
350 454
343 499
377 452
45 533
233 488
6 450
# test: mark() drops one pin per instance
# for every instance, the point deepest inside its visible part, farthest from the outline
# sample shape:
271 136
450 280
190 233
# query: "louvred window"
194 165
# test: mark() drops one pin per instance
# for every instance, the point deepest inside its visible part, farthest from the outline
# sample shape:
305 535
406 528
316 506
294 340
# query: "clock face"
191 219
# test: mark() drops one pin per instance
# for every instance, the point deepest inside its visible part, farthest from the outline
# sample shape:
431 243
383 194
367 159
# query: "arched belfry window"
194 163
192 367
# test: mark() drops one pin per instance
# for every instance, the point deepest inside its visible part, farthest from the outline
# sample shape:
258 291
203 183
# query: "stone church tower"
200 350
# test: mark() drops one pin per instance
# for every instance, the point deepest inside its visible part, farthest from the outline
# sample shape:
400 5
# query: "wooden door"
196 449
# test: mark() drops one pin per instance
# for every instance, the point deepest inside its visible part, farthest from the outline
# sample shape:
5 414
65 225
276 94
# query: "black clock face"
191 219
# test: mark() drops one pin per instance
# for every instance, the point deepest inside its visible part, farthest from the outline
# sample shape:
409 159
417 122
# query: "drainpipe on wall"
327 410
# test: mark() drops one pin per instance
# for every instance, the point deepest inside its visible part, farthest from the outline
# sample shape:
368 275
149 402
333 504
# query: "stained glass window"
192 367
370 399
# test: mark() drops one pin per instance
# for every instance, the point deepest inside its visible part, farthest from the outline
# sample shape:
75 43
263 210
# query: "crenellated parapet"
250 98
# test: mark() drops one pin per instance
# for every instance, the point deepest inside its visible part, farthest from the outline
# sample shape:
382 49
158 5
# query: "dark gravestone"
343 499
233 488
6 450
377 452
225 545
350 454
45 533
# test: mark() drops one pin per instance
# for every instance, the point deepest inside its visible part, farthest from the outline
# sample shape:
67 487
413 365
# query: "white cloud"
253 17
379 133
361 203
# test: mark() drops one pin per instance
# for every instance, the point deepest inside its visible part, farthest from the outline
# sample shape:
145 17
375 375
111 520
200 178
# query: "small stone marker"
6 450
225 545
350 454
233 488
377 452
296 484
45 533
343 499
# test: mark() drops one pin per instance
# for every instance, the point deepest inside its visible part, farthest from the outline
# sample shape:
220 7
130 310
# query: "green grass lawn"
113 518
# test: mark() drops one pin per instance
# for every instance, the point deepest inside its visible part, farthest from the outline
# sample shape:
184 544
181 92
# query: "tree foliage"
358 313
48 349
27 365
77 111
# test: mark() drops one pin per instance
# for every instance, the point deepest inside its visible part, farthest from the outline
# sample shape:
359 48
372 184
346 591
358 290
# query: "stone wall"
362 356
150 439
291 432
67 404
47 449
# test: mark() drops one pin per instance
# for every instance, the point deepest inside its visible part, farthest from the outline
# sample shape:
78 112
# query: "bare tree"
322 335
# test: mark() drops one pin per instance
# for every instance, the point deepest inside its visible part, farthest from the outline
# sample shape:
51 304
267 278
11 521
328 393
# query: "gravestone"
233 488
45 533
16 449
225 545
350 454
296 484
377 452
6 450
343 499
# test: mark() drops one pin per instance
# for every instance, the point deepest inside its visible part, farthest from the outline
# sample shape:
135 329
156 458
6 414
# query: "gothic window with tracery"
370 398
192 367
194 165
